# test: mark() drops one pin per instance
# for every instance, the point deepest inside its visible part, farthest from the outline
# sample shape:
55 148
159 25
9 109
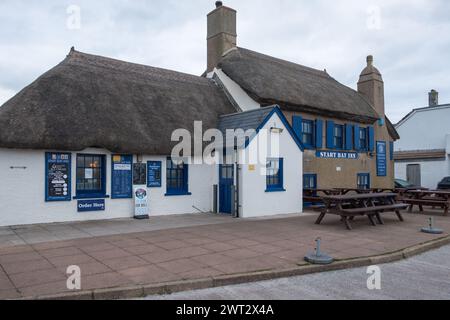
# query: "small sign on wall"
121 177
337 155
154 174
91 205
381 159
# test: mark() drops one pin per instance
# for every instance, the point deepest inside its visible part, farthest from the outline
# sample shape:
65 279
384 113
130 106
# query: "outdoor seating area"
349 203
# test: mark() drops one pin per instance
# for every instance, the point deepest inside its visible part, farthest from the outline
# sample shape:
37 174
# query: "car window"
403 183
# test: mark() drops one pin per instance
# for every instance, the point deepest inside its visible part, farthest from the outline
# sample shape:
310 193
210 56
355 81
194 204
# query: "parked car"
403 184
444 184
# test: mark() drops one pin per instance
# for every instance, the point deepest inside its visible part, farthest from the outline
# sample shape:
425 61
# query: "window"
363 139
177 178
91 176
308 133
363 182
338 136
274 175
309 181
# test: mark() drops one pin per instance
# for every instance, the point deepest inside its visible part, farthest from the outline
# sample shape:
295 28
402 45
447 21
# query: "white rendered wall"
254 199
431 172
425 130
22 192
239 95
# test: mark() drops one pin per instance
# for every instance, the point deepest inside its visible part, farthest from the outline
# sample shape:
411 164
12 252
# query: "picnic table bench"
432 198
371 205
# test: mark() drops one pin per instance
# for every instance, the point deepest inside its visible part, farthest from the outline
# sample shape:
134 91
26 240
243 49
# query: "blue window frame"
363 146
338 136
274 175
177 178
308 133
363 181
91 176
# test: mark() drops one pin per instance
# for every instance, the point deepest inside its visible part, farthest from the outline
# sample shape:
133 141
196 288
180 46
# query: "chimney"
221 33
433 98
371 85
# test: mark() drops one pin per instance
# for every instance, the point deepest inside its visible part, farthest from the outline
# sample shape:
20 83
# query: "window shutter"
297 126
356 138
348 137
319 133
330 134
371 139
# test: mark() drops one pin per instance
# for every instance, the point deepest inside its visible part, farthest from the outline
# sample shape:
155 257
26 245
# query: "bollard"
318 257
431 229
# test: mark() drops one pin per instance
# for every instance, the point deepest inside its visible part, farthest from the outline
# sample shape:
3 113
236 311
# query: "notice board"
57 176
122 177
154 174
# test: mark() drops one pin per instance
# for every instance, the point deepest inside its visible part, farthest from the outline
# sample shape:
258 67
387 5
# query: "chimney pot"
219 4
369 60
433 98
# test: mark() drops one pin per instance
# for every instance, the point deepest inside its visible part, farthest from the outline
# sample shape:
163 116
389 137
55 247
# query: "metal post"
233 201
215 207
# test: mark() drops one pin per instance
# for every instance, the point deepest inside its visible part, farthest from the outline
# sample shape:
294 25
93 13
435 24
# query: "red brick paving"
198 252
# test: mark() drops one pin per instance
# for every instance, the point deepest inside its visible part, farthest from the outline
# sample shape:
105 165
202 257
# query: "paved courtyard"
195 252
424 277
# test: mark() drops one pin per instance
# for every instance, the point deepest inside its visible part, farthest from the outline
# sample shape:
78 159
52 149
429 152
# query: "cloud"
409 38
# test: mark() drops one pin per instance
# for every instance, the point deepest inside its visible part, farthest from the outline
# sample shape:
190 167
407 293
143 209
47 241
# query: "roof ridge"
118 64
318 72
260 109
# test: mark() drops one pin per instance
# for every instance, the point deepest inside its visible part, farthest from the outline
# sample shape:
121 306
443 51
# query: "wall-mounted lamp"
276 130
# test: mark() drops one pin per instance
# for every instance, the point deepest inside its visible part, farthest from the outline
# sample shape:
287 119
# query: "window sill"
91 196
275 190
177 194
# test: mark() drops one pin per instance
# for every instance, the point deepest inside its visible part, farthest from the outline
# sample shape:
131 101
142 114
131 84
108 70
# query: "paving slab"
197 252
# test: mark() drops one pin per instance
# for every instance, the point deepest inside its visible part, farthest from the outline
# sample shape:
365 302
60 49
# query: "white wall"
431 172
255 201
22 192
239 95
424 130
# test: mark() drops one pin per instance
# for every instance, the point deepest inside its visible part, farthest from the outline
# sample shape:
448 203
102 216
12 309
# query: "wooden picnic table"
349 206
432 198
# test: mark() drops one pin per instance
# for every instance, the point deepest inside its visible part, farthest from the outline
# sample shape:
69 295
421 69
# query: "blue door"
226 181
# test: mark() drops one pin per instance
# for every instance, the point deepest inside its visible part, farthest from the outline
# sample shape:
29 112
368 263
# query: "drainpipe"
238 204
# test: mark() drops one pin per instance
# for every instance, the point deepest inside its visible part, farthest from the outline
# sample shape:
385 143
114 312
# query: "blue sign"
91 205
381 159
337 155
57 176
121 177
154 174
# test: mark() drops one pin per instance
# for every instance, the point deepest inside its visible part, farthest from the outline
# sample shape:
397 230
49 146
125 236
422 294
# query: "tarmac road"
423 277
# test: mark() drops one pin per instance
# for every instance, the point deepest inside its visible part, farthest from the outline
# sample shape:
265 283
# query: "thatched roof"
92 101
294 87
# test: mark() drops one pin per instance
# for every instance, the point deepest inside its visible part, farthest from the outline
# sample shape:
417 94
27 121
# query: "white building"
422 155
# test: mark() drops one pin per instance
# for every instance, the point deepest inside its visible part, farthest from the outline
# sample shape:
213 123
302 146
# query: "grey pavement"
424 277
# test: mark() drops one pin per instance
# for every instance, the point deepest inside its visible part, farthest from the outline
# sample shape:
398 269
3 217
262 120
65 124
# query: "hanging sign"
381 159
140 202
57 176
154 174
337 155
91 205
122 177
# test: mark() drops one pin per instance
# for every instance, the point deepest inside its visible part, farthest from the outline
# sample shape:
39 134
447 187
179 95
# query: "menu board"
154 174
122 177
139 174
57 176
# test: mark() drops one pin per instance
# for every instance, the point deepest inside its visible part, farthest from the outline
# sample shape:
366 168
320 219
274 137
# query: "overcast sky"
410 39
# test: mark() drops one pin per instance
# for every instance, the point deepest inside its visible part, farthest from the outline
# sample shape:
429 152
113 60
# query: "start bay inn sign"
337 155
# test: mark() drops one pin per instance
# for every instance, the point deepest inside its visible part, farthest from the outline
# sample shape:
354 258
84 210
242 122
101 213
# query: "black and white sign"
57 176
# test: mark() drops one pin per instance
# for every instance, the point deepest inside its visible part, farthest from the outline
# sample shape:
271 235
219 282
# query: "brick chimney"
371 85
221 33
433 98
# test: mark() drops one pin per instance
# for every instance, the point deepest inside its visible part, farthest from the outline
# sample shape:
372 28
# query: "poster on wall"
57 176
381 159
154 174
140 202
122 177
